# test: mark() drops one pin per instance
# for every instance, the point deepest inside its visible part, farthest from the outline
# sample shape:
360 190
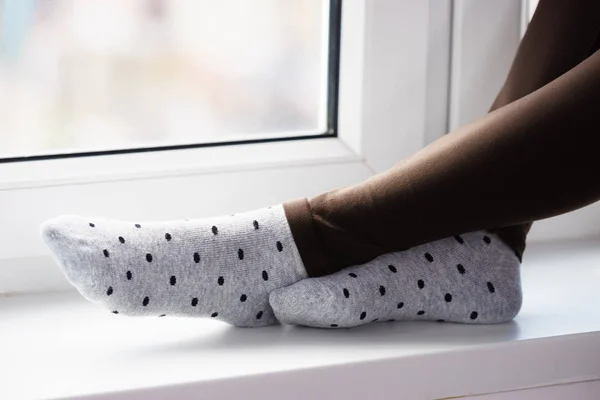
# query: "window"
120 75
408 70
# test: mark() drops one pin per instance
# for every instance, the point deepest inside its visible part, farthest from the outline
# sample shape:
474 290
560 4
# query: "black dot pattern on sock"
162 315
173 280
115 312
215 230
391 320
334 325
215 314
382 290
440 320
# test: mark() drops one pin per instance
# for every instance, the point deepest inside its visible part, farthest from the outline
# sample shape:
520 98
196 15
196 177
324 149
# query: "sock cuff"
278 212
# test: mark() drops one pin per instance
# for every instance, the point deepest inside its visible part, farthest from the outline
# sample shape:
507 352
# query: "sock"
473 279
221 268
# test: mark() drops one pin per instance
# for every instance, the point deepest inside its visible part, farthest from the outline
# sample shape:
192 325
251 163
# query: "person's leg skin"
531 159
222 268
472 278
560 35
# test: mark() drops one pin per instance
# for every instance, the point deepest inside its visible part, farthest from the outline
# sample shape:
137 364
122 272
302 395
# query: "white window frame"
405 72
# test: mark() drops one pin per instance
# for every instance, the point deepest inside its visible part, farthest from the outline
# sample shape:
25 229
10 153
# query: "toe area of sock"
71 248
64 230
54 230
58 234
307 302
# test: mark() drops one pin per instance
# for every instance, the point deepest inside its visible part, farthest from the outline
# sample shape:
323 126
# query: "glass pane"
88 75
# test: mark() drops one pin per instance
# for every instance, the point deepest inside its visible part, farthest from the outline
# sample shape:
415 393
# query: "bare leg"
560 36
531 159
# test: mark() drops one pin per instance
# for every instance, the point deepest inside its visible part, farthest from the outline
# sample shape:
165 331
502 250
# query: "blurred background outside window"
90 75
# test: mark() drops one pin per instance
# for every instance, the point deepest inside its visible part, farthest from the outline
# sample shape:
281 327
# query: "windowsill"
55 346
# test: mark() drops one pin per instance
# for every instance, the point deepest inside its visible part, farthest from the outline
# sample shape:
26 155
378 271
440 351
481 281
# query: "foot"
222 268
472 278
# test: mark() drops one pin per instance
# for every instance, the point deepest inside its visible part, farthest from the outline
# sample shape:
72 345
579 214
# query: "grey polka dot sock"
222 268
473 278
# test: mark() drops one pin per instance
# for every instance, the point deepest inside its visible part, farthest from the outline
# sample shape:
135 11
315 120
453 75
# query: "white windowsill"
57 346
